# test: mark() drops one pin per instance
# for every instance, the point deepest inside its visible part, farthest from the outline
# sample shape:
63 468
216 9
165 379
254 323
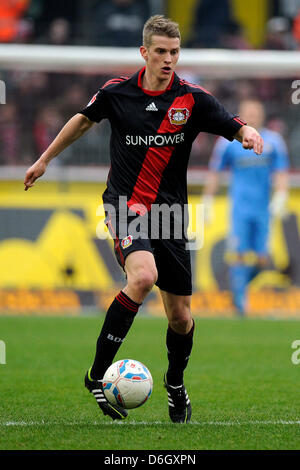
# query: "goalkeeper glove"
278 204
208 203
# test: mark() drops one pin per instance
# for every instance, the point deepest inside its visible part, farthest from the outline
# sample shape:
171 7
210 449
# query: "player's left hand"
251 139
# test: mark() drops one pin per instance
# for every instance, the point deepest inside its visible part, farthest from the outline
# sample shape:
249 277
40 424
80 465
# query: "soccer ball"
127 383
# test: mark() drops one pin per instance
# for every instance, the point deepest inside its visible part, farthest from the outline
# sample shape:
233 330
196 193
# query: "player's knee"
146 281
180 319
143 280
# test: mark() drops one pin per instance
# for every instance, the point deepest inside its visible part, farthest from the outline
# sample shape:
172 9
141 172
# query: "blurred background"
51 258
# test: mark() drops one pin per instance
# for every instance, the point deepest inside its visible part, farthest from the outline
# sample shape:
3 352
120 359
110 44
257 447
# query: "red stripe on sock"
127 300
125 305
124 300
130 305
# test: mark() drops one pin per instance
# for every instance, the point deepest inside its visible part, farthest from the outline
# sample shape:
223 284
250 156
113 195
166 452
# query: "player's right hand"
278 204
34 172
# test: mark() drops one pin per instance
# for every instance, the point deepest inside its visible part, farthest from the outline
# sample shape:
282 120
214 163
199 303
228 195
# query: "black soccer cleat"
180 409
95 387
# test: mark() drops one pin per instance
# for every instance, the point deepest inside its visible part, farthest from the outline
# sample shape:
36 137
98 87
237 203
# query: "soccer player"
154 117
250 192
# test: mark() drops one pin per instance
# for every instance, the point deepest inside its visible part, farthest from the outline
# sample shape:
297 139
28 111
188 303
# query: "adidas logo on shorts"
151 107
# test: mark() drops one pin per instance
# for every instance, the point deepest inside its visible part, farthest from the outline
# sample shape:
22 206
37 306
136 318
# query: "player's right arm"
219 160
280 167
72 130
211 188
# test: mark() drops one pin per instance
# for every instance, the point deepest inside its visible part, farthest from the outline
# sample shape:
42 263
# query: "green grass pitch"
242 383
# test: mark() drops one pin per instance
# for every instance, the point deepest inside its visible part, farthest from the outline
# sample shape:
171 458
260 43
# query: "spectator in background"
48 122
91 150
28 94
59 32
9 132
277 124
296 30
11 12
55 21
284 24
278 34
234 38
70 99
215 26
119 22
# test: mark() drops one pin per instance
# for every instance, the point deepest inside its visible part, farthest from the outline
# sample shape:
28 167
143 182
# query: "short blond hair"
161 26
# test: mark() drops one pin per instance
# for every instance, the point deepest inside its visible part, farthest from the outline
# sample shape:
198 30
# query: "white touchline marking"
147 423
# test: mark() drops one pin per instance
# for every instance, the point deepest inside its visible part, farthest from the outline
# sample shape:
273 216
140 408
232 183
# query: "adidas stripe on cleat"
180 409
95 388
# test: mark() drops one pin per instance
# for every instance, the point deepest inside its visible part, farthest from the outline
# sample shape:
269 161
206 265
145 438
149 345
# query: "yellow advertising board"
54 259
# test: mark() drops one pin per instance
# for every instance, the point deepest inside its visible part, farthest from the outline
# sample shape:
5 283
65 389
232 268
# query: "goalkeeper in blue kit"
252 204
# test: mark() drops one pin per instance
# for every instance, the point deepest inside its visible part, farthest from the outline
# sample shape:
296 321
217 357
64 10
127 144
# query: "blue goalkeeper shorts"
249 233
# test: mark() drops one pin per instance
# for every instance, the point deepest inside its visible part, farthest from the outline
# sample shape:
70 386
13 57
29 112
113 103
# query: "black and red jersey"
152 134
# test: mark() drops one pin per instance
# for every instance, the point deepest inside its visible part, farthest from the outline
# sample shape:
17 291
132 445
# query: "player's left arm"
219 160
215 119
250 139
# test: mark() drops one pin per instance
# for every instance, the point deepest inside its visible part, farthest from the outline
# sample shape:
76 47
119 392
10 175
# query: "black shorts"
172 258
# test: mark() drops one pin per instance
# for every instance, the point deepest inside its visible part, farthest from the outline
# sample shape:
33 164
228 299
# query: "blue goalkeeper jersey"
251 174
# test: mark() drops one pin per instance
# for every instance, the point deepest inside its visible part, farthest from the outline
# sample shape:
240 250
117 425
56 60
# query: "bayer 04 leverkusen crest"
127 241
178 116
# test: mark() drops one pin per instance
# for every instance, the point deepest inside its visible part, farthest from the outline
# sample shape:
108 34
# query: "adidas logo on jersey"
151 107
